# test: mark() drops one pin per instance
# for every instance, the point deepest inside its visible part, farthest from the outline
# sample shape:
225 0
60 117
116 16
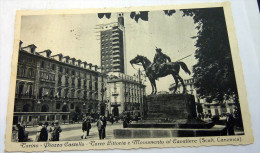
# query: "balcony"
115 47
116 69
115 34
116 65
115 39
115 104
115 43
116 56
117 51
116 61
115 93
115 30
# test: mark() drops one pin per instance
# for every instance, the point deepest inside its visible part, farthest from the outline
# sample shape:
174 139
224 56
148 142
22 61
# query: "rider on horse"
159 59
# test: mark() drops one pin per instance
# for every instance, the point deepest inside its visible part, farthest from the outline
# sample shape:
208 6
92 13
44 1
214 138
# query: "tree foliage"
214 73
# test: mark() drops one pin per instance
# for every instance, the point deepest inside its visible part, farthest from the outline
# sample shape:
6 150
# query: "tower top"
120 18
120 14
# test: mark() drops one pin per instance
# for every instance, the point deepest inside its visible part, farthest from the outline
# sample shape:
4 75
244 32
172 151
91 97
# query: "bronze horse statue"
172 68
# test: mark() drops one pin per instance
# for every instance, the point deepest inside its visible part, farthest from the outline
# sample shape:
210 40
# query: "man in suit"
100 127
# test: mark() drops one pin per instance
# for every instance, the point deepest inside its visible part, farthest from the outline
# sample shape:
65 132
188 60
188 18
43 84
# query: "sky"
78 36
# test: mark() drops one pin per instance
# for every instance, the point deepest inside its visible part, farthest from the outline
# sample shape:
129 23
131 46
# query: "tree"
214 73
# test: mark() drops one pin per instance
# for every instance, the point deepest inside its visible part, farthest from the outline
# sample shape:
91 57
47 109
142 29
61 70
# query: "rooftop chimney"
90 66
20 45
85 64
60 57
73 61
79 62
67 59
95 66
47 52
30 48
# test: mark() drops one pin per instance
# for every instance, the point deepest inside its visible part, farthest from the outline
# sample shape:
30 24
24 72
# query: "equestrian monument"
167 115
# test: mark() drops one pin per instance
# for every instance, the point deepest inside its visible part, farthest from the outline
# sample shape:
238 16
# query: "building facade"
112 46
55 87
213 108
125 94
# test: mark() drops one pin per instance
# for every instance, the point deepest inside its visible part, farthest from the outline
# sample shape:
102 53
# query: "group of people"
101 126
21 135
48 133
204 115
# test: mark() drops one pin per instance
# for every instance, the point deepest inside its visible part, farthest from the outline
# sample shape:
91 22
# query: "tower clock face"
120 14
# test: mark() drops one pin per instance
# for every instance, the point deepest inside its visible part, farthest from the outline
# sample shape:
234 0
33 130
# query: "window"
67 70
67 81
59 93
41 92
23 72
52 93
58 106
59 80
30 73
79 83
53 67
79 94
72 93
42 64
73 82
66 93
61 69
71 106
21 86
30 91
85 94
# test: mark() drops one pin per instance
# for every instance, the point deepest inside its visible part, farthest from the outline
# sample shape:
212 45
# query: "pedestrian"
100 127
104 120
20 131
230 124
44 132
56 132
38 129
125 124
210 115
86 126
50 130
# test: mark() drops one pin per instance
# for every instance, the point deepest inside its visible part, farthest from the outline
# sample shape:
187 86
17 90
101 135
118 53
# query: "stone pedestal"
169 116
170 107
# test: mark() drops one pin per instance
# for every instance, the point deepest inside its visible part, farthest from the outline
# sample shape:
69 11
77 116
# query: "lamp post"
141 77
103 89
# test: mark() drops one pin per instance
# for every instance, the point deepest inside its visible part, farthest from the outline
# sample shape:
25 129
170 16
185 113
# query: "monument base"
182 123
170 107
128 133
170 116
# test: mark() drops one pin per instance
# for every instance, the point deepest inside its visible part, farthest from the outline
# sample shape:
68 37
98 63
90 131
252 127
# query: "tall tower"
112 46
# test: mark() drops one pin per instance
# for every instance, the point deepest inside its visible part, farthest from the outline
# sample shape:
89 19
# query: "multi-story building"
112 46
125 94
55 87
214 107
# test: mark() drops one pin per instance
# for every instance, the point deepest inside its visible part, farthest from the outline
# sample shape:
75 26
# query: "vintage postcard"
125 78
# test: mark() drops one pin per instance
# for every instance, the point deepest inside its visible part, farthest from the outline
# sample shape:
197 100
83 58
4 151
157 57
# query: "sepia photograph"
133 76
